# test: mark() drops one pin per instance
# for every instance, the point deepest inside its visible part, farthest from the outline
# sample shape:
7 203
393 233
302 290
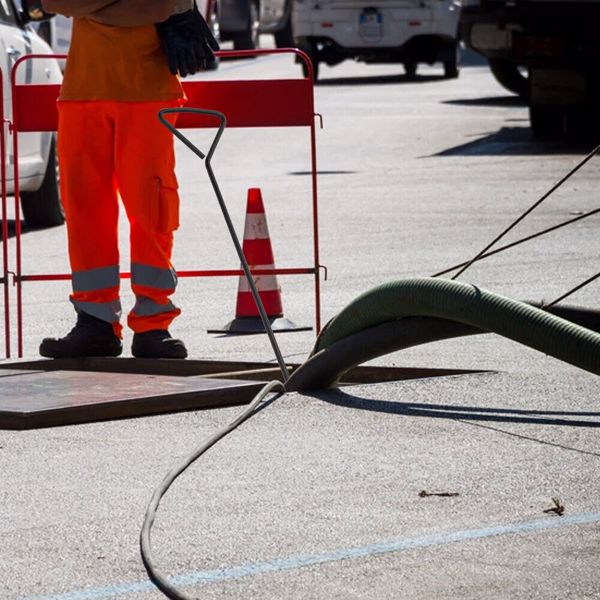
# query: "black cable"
528 211
158 579
521 241
572 291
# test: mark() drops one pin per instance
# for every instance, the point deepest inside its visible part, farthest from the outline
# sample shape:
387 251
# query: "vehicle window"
7 13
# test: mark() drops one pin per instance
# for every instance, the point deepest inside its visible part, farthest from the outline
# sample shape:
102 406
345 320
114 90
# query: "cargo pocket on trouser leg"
163 205
168 206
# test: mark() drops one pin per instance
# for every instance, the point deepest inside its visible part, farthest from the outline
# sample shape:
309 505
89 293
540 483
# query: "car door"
17 40
12 46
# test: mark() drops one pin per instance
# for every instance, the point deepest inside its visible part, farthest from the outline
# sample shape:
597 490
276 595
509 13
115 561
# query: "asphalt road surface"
443 487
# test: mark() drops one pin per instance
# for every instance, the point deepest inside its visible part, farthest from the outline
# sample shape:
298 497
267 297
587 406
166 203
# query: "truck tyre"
410 68
309 47
546 121
451 63
284 38
248 39
507 74
44 208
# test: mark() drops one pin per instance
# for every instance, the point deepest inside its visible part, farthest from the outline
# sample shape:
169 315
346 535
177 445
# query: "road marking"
297 562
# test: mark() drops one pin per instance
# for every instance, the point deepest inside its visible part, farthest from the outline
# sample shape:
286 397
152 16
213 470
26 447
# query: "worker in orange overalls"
120 70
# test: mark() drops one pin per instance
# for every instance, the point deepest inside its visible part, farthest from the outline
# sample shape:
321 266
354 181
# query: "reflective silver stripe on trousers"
107 311
145 307
95 279
155 277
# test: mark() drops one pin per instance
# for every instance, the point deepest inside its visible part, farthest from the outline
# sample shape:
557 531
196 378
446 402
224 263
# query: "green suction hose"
441 301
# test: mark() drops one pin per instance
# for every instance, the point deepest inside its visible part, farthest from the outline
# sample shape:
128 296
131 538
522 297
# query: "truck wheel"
309 47
44 208
284 38
546 121
451 64
410 68
248 39
509 76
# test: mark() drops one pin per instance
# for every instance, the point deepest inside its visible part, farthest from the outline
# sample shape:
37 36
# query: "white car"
381 31
38 172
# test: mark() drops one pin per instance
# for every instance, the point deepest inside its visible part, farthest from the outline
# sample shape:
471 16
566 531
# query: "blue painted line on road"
297 562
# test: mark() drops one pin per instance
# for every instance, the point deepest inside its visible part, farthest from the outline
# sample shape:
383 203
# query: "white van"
38 172
379 31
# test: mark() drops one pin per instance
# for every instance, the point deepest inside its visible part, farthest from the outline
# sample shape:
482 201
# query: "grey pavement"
319 496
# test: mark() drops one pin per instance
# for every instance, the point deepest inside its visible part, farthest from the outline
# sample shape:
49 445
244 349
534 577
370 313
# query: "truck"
547 52
382 31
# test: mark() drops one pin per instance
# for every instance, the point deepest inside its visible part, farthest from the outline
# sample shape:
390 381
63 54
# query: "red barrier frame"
268 103
5 271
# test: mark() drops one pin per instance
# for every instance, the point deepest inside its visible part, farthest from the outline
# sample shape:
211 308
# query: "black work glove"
188 42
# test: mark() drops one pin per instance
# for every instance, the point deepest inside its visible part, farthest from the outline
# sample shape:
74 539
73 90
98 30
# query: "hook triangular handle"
198 111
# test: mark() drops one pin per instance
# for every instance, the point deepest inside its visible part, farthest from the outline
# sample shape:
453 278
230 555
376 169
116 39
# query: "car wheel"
213 24
509 76
284 38
44 208
248 39
45 32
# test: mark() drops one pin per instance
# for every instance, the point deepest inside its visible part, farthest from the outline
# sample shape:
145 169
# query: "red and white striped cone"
259 255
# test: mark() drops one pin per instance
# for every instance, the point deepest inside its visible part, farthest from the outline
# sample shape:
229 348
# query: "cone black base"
253 325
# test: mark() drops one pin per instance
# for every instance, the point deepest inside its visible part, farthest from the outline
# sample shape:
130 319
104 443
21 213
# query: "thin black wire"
572 291
528 211
521 241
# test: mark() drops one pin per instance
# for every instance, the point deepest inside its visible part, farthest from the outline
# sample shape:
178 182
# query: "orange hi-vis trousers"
109 149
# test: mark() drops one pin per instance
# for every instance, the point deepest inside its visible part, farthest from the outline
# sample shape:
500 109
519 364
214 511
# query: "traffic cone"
259 255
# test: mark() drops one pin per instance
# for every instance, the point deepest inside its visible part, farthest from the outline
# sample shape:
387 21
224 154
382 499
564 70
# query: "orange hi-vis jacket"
124 64
110 144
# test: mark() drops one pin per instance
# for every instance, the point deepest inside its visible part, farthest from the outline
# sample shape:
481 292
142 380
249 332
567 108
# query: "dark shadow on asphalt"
464 413
378 80
11 226
338 172
516 141
468 59
502 101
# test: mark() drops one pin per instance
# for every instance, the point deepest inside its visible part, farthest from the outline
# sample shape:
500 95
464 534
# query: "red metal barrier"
267 103
5 271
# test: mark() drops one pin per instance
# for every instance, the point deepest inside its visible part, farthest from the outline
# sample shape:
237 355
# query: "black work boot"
157 343
89 337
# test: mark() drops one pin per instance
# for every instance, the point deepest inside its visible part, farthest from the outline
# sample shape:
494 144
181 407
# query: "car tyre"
213 24
248 39
44 207
45 32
